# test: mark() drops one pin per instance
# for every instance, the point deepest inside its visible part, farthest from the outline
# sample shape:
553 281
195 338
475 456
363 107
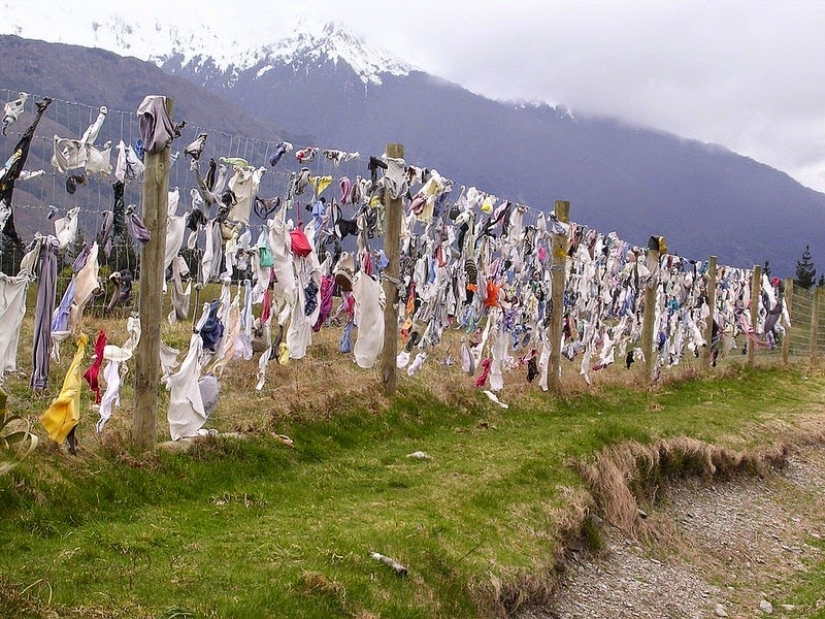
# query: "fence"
807 334
470 260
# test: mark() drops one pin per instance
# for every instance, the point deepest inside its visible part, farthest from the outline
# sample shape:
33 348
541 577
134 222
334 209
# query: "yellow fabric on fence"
64 413
320 183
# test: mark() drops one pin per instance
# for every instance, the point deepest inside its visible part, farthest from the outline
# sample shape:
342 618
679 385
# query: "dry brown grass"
623 476
318 583
322 385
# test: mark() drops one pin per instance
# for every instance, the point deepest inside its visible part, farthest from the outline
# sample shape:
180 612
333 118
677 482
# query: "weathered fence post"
786 338
392 247
756 295
655 245
814 324
558 263
707 353
147 354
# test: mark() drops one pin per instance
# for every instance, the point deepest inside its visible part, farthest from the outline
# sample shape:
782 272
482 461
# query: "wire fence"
603 291
807 333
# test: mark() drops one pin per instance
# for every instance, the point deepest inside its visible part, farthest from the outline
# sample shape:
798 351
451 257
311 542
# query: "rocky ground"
731 549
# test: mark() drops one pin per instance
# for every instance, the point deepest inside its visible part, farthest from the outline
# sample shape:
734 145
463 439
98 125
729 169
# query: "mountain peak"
314 41
310 41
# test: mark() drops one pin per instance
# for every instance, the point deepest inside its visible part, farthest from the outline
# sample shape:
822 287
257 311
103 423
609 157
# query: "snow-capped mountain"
199 47
307 48
332 44
340 92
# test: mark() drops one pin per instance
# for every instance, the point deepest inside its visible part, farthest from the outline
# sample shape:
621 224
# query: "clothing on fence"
91 375
469 261
64 413
46 292
156 128
369 317
111 397
13 109
13 169
186 414
12 310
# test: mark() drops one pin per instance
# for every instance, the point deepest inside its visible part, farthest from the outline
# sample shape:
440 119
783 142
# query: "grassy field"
255 527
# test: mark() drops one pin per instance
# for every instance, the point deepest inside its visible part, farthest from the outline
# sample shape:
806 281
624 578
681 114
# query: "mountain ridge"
704 198
638 181
159 43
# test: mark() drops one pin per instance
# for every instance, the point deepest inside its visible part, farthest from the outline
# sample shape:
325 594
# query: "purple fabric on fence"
60 321
80 261
46 292
156 128
327 287
346 188
137 229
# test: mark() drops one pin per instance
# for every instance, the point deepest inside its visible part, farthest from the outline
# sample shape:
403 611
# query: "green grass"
808 597
255 529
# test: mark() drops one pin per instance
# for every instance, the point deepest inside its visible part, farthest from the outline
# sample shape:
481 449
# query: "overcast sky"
749 75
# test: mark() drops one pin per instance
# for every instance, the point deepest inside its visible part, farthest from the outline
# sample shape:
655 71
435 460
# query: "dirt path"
729 549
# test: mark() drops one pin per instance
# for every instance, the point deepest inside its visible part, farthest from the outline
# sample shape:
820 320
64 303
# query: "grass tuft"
625 475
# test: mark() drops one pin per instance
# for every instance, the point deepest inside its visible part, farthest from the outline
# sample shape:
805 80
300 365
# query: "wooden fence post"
649 318
786 338
558 261
707 353
756 296
147 354
392 247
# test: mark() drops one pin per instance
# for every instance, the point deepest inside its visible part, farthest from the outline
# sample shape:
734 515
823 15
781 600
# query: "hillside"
704 199
80 80
99 77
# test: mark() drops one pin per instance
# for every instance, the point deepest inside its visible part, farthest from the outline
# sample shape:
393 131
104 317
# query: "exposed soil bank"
728 540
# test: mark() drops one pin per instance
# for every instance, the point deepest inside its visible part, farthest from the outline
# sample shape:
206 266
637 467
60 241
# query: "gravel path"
725 550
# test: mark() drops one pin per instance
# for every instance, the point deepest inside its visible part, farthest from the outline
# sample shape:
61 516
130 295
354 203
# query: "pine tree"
805 271
767 270
821 282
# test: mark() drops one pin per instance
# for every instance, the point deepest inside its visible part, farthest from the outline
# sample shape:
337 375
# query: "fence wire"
49 195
